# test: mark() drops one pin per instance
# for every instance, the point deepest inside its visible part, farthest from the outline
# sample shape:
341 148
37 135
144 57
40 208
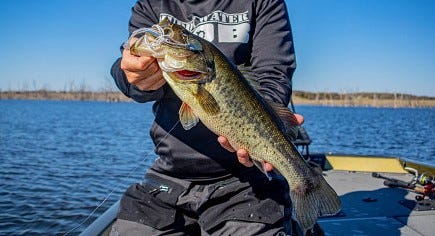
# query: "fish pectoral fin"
188 119
288 119
207 101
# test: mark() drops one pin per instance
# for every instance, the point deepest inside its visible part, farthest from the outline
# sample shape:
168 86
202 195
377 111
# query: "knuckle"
139 84
123 66
131 79
142 64
154 67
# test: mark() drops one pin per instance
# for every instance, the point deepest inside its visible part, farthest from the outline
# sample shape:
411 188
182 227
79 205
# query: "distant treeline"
108 96
341 96
363 99
299 98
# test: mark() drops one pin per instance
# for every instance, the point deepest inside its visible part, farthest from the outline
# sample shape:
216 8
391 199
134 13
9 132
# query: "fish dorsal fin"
207 101
188 119
288 119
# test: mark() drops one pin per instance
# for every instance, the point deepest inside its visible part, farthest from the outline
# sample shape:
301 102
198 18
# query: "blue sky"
341 45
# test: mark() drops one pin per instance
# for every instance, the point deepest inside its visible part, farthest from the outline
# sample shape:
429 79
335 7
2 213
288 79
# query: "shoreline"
392 100
363 99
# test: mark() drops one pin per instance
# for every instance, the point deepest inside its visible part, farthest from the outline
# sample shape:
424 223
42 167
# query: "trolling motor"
421 184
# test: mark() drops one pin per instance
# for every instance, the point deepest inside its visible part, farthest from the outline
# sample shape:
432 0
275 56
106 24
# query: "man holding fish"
202 182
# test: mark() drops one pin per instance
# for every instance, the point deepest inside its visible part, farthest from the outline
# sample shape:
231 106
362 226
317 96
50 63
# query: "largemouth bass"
216 93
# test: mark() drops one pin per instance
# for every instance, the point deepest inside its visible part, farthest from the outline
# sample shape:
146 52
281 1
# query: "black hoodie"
252 33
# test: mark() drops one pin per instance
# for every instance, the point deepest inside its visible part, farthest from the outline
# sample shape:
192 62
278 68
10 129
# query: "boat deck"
368 206
371 208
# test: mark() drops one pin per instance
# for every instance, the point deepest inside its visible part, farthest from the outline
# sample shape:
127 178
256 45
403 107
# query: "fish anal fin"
260 166
188 119
207 101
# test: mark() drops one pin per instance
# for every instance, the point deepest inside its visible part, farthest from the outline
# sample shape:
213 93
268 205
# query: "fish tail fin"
309 204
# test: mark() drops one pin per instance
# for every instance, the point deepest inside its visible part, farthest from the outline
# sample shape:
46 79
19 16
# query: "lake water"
60 159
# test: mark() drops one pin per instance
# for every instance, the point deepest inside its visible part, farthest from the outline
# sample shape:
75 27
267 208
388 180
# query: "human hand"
142 71
243 154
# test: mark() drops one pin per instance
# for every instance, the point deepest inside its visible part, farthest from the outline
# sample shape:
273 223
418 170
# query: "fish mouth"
188 75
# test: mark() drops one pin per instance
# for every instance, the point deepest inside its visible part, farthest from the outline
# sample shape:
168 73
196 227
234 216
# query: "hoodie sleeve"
273 57
142 16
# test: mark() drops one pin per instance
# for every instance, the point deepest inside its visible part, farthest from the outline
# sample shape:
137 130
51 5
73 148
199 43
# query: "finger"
299 118
134 75
146 78
225 144
134 63
267 166
159 82
132 40
243 157
153 82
